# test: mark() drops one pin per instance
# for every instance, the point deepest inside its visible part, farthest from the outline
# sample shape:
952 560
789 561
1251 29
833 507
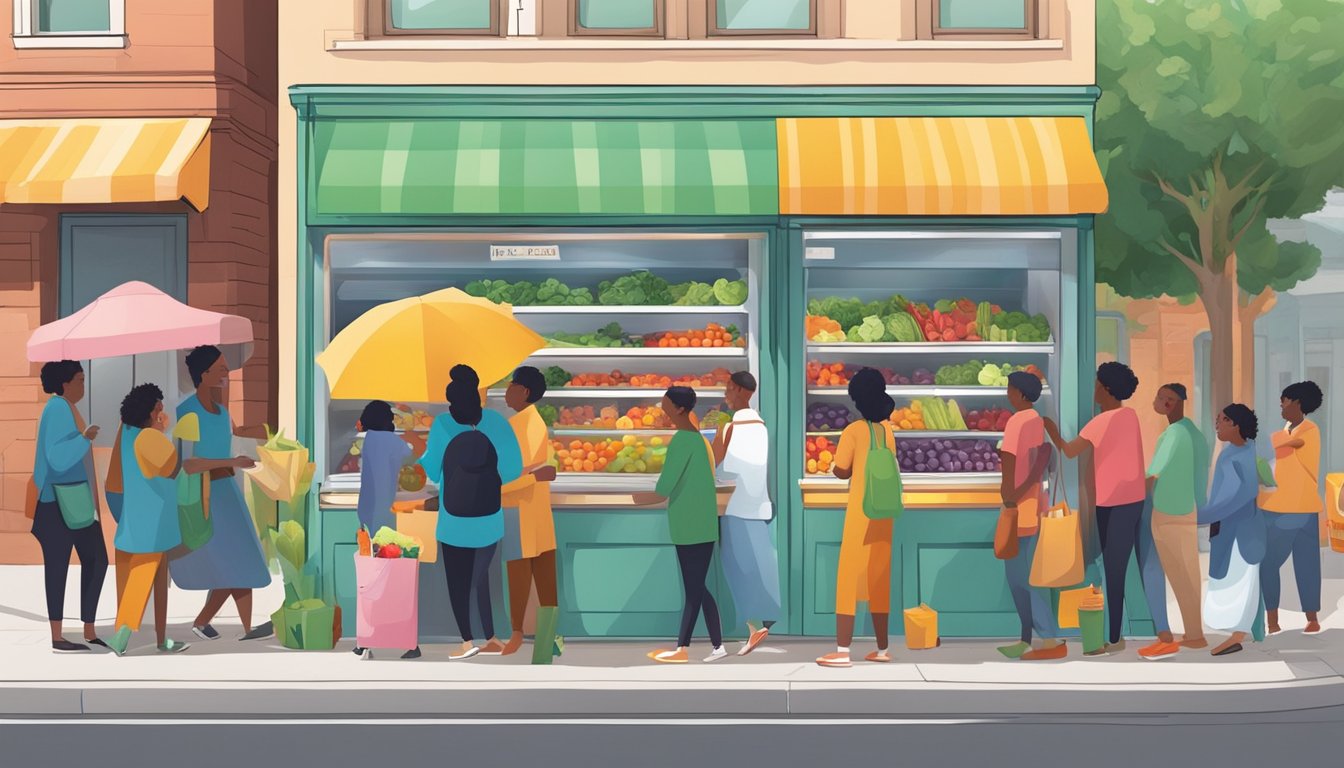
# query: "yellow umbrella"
403 350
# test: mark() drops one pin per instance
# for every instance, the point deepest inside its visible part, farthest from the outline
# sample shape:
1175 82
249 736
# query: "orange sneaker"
679 656
878 657
755 640
836 660
1046 654
1159 650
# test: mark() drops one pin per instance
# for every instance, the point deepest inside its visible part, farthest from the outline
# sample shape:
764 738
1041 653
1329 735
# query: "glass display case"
625 315
945 317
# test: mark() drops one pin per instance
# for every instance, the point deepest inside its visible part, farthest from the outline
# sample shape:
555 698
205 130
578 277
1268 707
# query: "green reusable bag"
197 527
77 505
881 479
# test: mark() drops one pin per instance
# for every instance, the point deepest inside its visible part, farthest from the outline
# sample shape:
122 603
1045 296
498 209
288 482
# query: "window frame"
27 35
1031 11
657 30
498 24
712 29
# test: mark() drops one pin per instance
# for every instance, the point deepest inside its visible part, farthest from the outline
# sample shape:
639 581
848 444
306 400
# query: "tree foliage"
1214 116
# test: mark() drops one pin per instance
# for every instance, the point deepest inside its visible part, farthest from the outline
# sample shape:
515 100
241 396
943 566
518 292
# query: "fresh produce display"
838 375
713 335
628 454
405 418
388 543
637 289
548 413
556 377
820 455
828 417
715 378
896 320
611 417
947 455
988 419
524 293
412 478
940 415
908 418
609 335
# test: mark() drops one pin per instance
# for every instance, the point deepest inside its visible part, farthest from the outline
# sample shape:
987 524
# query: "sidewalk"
225 677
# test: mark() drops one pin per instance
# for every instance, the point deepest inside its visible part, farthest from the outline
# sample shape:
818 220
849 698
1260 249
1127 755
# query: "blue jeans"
1292 534
1034 608
1150 568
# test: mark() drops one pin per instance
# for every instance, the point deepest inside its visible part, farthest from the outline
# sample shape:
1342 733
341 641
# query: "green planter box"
306 629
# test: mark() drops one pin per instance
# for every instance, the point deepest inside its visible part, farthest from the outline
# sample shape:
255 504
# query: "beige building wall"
858 43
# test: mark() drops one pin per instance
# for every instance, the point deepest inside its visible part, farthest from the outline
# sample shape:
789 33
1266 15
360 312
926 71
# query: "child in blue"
380 462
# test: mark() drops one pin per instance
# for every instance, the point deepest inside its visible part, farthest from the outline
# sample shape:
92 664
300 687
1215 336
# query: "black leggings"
1119 531
468 570
56 541
694 560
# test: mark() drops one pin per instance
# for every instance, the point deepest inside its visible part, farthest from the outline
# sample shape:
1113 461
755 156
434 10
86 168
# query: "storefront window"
472 17
60 17
984 18
616 17
749 17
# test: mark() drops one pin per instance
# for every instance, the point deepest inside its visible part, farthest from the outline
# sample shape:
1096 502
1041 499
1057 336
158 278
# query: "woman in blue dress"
231 563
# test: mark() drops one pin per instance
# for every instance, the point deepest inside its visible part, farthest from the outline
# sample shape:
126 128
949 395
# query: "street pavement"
226 678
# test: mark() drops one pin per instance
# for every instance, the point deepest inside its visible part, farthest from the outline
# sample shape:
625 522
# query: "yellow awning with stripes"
108 160
938 166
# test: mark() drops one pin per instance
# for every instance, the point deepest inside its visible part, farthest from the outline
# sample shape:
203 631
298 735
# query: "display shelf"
921 391
921 434
934 348
417 430
608 309
612 393
546 353
583 431
913 480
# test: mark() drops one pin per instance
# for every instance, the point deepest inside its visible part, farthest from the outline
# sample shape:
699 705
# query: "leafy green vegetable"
694 294
730 293
556 377
847 312
548 413
902 327
610 335
945 305
829 337
960 375
637 289
871 330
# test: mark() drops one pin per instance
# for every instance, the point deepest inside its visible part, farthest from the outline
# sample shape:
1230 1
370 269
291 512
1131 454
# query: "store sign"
826 254
524 253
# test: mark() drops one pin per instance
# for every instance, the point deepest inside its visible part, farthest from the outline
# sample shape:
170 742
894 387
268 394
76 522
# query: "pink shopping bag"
387 612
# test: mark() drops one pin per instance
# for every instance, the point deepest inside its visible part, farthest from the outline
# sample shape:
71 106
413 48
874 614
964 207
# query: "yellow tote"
1069 602
921 628
403 350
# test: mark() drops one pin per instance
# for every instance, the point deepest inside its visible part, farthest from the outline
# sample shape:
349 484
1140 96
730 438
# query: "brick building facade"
167 59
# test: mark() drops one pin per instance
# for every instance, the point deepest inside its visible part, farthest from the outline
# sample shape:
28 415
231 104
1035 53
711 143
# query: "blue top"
149 509
216 429
1232 504
474 532
61 449
380 464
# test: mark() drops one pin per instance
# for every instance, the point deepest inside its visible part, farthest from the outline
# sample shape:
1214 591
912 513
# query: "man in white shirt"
750 564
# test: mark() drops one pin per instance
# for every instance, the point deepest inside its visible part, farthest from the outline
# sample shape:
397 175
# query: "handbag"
1005 534
1059 545
882 487
78 508
192 513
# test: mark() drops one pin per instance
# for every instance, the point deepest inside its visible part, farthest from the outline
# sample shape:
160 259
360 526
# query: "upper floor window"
762 17
69 23
616 17
442 17
984 19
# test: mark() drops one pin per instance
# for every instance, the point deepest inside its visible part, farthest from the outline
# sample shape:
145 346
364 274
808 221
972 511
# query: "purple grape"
979 466
921 467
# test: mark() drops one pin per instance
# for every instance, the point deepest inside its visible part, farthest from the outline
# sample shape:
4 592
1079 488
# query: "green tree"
1216 115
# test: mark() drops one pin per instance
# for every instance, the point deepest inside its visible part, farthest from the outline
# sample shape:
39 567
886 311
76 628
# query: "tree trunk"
1225 348
1250 309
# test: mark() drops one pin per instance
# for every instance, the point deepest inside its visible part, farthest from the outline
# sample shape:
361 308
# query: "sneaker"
173 646
460 654
493 648
1050 653
835 660
678 656
880 656
754 641
1159 650
120 640
1015 650
414 653
358 651
206 632
65 646
716 654
263 632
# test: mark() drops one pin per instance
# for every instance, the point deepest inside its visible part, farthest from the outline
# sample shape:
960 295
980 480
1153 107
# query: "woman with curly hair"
1293 508
1237 532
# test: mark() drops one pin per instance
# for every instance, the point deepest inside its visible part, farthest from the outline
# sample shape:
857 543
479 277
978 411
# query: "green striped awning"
439 167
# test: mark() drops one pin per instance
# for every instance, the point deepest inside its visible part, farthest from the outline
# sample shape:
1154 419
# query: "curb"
633 699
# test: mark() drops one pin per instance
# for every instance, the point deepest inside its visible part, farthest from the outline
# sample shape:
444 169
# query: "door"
99 253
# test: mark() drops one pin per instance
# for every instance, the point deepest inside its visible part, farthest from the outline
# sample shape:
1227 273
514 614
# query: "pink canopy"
134 319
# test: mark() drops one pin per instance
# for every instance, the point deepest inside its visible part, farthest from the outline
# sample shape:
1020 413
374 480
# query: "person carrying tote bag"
62 503
1058 562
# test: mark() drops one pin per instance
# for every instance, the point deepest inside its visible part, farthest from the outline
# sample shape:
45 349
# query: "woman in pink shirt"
1120 486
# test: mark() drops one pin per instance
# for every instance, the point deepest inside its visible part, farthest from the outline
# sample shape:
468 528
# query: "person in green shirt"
1178 482
687 483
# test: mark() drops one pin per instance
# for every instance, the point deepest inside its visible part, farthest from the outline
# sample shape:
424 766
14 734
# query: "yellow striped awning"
108 160
938 166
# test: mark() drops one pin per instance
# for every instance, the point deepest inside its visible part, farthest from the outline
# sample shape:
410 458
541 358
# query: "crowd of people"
494 474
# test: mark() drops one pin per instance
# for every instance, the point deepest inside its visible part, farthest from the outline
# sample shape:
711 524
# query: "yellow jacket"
1296 471
531 498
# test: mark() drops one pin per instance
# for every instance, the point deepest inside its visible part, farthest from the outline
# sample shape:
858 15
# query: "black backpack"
471 484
